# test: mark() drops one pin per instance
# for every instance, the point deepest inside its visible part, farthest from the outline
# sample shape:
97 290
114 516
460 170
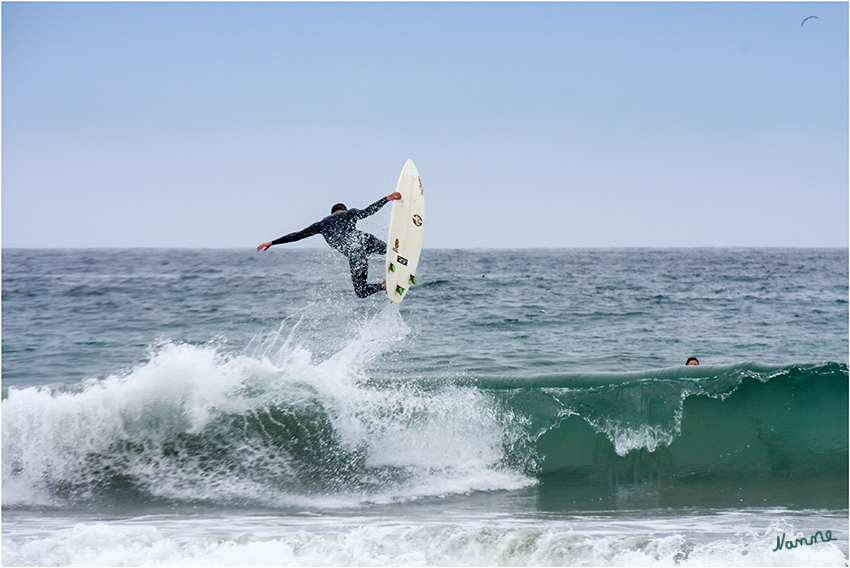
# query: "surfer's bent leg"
359 271
374 245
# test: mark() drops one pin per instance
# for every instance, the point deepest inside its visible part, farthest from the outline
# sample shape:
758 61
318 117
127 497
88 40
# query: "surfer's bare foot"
384 285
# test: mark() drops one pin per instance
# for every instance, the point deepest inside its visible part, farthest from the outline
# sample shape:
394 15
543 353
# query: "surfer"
692 361
340 232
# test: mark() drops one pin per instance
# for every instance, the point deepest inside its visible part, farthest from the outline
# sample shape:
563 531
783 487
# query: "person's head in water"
692 361
338 207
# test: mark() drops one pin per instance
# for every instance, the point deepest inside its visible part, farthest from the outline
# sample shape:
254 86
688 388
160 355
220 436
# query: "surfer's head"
338 207
692 361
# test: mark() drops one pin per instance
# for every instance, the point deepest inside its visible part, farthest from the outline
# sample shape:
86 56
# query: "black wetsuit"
339 230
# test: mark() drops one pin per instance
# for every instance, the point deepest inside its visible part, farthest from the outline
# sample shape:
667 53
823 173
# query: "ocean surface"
519 408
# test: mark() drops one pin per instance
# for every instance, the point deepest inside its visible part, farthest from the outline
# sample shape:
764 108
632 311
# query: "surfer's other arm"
313 229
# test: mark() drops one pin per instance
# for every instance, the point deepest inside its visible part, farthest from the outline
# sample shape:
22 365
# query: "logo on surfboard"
417 220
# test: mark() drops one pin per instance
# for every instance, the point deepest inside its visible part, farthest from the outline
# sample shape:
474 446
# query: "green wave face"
738 421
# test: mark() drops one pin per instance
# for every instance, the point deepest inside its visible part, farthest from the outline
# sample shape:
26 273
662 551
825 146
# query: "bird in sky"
807 19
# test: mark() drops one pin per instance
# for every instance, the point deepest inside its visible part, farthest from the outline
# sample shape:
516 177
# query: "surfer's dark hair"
338 207
692 359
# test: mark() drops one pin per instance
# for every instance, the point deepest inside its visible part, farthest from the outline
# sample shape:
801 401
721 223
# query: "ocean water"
520 407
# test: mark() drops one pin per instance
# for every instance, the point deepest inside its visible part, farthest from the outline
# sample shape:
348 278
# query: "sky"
224 125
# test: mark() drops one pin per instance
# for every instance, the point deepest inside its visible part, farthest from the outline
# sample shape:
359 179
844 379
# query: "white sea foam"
645 436
408 545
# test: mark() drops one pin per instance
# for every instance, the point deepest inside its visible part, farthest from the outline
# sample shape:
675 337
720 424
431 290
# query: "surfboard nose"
410 170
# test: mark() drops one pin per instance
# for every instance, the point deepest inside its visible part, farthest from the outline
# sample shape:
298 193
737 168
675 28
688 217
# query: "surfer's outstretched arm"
375 207
313 229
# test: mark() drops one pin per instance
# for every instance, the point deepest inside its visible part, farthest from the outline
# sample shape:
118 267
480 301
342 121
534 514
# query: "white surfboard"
407 223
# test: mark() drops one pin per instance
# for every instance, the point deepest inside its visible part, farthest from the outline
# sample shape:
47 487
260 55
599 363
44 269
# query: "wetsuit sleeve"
313 229
371 210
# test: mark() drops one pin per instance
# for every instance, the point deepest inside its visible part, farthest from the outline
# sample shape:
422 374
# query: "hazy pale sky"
531 124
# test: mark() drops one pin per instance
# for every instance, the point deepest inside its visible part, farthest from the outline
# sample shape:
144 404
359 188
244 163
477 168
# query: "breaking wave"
278 425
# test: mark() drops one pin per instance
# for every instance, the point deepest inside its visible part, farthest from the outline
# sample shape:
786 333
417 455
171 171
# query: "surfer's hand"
264 246
393 196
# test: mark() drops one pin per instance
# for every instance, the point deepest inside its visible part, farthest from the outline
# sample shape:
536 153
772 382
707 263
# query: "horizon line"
632 247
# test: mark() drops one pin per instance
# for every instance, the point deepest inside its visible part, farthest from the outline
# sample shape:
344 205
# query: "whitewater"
173 407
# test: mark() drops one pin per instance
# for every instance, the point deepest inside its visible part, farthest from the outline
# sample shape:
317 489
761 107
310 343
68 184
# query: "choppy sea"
519 408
